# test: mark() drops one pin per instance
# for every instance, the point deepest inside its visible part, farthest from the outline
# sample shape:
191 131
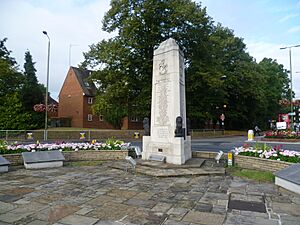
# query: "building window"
90 117
90 100
134 119
101 118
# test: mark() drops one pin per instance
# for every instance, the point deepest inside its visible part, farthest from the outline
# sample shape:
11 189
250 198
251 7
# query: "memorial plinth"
168 103
43 159
4 163
289 178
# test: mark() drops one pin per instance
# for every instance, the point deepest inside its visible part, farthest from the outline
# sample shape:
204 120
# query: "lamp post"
291 78
46 94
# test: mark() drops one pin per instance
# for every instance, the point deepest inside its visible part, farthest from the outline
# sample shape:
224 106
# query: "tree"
12 115
127 58
277 82
124 64
32 92
10 78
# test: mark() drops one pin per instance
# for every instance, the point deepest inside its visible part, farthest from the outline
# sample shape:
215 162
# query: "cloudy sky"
73 25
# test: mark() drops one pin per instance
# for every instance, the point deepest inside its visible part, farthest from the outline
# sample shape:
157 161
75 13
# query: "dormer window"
90 100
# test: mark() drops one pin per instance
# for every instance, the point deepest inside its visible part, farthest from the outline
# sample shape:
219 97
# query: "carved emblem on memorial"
163 66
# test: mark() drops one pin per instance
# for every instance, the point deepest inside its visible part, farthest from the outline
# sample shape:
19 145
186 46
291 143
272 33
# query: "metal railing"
87 135
60 135
207 132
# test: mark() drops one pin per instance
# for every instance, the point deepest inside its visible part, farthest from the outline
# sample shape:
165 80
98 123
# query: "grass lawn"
260 176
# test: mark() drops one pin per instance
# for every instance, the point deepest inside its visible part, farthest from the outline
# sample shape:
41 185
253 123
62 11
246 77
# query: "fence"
84 135
87 135
207 132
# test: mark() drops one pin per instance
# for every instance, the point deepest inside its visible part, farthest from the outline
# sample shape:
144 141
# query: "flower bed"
267 152
283 134
110 144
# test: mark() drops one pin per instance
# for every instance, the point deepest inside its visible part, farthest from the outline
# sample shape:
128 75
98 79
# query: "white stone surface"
168 102
287 185
3 169
43 165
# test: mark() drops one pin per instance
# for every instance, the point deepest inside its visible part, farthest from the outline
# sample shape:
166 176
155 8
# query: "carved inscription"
163 133
162 93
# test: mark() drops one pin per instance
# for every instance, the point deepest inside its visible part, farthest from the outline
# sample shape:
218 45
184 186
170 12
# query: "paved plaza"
102 195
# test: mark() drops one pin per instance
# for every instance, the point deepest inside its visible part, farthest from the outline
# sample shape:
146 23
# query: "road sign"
222 117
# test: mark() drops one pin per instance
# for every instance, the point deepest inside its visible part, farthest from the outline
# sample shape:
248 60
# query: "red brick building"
76 97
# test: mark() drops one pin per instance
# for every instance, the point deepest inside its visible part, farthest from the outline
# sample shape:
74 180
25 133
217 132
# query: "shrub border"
248 162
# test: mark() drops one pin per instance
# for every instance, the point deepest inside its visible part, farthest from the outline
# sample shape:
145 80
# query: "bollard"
229 159
250 135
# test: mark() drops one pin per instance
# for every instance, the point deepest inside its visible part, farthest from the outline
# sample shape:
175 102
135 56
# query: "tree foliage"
18 92
32 91
123 65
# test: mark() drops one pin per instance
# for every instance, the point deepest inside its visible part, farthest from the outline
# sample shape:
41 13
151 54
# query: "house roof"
88 87
51 100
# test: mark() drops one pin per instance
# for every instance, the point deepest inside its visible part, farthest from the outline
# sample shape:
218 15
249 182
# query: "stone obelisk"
168 137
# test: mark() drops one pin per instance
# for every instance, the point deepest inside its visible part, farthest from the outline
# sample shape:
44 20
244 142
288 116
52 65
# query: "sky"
73 25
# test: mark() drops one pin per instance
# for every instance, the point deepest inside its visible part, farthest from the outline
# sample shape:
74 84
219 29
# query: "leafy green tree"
5 53
123 65
127 58
12 115
31 92
10 78
277 83
12 112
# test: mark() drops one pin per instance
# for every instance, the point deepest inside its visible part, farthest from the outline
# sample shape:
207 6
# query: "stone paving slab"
164 170
104 195
204 218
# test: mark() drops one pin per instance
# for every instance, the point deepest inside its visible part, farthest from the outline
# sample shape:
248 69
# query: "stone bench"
43 159
4 163
158 158
289 178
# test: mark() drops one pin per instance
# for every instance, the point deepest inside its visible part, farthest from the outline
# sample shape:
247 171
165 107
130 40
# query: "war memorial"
168 185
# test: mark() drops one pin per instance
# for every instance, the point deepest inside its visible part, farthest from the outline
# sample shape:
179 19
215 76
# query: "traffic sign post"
222 118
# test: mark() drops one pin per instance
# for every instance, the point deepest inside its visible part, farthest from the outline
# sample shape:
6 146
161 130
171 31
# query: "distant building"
76 97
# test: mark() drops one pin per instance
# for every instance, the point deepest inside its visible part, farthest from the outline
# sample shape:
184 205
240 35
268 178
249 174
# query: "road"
229 143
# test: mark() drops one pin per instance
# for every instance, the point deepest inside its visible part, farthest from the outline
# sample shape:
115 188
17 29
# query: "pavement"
105 195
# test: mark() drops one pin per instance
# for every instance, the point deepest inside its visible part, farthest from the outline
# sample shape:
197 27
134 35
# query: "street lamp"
291 77
47 84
